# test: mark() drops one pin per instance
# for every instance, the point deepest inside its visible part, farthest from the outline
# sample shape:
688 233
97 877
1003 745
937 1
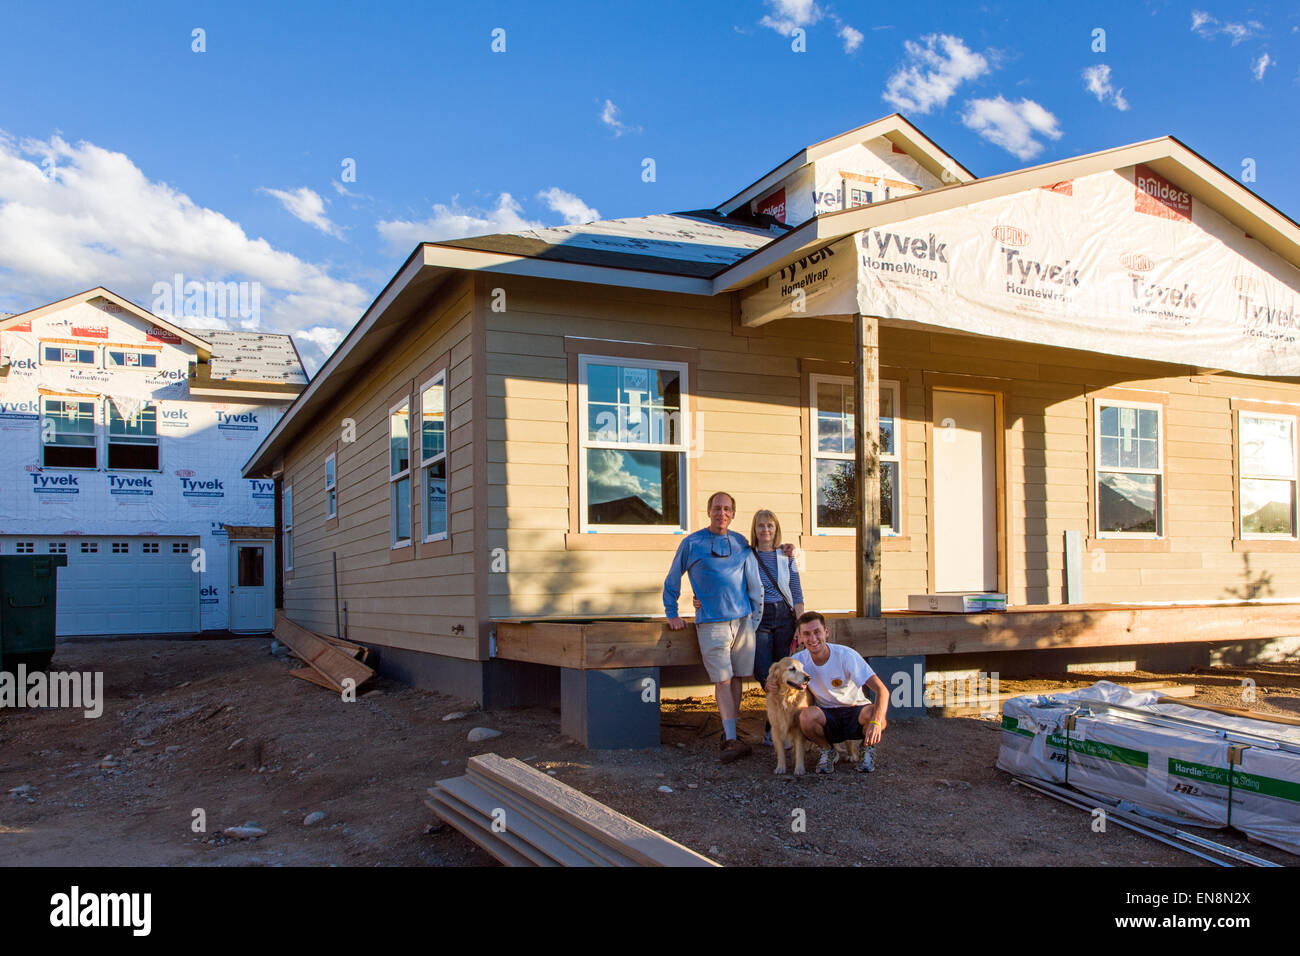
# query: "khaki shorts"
727 648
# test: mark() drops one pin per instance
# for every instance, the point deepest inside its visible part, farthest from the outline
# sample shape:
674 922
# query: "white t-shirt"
838 682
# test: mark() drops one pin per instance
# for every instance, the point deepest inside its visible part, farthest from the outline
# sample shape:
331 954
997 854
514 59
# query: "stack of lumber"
330 660
523 817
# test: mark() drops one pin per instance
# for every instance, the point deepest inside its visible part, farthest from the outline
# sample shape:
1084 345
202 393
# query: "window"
1267 474
433 456
250 567
25 547
859 197
126 358
832 456
287 518
68 355
132 437
634 444
178 547
90 547
149 547
1130 472
68 433
399 474
58 547
121 547
331 496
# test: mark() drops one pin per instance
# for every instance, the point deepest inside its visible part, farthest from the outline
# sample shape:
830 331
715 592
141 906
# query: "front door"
252 583
965 491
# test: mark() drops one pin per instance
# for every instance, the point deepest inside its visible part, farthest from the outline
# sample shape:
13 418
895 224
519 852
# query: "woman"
782 597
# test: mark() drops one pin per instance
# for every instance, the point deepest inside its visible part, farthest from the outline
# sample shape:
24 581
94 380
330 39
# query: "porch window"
433 456
68 434
634 444
132 437
1130 470
287 517
331 488
1267 475
69 355
832 456
399 474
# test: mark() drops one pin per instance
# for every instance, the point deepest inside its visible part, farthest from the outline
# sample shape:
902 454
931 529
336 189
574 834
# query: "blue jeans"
772 638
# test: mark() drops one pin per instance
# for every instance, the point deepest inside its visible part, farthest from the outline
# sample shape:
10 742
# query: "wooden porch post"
866 445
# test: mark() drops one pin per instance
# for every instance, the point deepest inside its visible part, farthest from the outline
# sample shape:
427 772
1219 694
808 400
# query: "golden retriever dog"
783 706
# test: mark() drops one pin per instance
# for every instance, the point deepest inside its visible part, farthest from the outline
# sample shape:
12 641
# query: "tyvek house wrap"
1180 773
202 445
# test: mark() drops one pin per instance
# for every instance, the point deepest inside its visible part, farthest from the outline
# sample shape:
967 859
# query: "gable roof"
99 292
255 356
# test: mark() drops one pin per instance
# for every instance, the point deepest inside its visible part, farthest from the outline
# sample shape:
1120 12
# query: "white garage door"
121 585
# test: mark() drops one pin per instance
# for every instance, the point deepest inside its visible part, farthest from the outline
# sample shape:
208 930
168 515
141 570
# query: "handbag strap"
768 574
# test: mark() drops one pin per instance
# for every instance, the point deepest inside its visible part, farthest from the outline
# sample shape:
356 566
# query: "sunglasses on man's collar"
721 546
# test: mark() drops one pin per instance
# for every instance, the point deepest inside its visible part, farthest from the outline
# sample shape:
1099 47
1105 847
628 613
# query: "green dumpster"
28 587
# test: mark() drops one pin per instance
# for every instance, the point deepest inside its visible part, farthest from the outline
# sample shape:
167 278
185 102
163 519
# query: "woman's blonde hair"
760 515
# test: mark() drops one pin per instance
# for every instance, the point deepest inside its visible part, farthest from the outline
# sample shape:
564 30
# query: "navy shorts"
842 723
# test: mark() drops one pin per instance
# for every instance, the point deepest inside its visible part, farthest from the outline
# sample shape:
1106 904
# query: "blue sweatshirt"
727 585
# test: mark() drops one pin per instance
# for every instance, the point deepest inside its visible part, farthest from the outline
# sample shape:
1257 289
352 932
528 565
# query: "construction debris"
1185 764
329 665
523 817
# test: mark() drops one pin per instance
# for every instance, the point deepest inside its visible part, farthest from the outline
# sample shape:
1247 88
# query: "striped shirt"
770 593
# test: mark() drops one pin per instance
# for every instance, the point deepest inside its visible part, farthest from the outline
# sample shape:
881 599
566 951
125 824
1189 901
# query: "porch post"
866 446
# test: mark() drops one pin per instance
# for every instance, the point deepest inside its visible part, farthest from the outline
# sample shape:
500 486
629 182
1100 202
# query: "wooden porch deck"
607 642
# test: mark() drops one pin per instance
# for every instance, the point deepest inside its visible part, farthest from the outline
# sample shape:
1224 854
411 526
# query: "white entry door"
965 491
252 585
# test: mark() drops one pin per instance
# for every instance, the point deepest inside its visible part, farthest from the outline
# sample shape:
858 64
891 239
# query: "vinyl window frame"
109 411
112 366
331 485
286 512
1255 410
96 360
1098 469
95 415
894 530
438 378
395 479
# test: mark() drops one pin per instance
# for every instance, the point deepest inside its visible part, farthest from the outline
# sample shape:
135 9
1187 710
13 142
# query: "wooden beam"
866 448
334 665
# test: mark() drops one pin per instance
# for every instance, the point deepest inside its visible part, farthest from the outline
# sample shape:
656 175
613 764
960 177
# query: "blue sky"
126 156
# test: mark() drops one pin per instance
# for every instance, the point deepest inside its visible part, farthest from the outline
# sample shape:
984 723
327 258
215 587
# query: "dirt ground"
220 726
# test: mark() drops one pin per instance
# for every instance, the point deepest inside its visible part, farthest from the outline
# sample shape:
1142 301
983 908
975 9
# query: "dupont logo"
55 484
1157 196
1247 284
183 473
774 205
155 334
263 489
28 411
134 485
242 422
1011 235
1137 262
209 488
90 331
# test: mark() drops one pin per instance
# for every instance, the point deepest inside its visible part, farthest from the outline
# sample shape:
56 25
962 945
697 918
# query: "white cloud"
931 76
573 209
852 38
306 205
1258 67
92 217
787 14
1207 26
454 222
1097 79
325 338
1013 126
609 116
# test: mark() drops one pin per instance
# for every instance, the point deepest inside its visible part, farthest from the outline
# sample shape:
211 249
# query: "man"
725 580
843 711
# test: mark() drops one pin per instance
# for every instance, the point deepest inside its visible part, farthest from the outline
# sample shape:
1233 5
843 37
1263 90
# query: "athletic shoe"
868 764
827 761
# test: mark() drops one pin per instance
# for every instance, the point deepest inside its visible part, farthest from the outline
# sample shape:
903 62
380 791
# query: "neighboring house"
123 438
1080 379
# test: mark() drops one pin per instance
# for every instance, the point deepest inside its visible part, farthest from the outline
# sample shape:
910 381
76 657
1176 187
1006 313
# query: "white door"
252 584
120 585
965 491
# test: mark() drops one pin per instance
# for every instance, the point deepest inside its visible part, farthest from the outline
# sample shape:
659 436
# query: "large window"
433 456
69 355
68 433
1130 469
399 473
129 358
331 487
132 437
287 518
1267 473
832 455
634 444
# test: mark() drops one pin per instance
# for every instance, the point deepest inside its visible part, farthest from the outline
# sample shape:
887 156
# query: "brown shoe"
733 750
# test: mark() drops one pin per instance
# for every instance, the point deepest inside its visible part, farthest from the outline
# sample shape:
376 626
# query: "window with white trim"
399 474
178 547
83 355
286 518
132 437
58 547
1130 469
68 433
632 457
129 358
121 547
331 487
25 547
149 547
90 547
832 454
1267 474
433 456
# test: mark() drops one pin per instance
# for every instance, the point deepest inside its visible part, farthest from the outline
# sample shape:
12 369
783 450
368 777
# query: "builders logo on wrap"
919 258
1157 196
773 205
236 422
130 486
155 334
43 484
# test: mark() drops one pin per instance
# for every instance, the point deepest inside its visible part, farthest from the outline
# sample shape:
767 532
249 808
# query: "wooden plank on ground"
467 823
312 677
645 846
513 822
597 853
327 660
